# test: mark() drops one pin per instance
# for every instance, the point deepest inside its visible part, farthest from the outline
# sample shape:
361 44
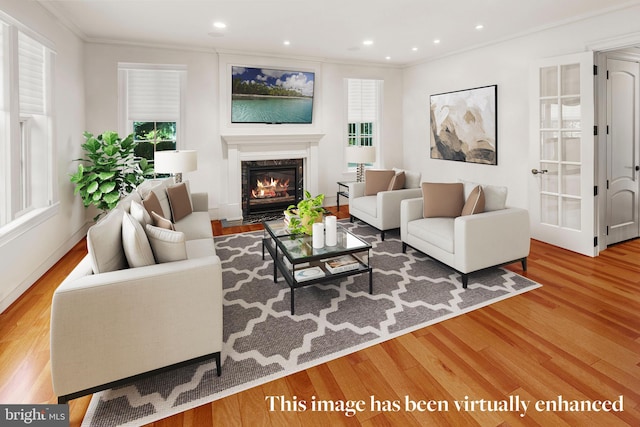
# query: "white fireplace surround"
245 147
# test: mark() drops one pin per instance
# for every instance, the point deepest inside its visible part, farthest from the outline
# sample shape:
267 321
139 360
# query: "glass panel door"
562 153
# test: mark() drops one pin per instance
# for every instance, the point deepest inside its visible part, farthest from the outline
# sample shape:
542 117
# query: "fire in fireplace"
270 186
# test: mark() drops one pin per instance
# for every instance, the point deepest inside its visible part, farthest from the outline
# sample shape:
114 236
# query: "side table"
343 190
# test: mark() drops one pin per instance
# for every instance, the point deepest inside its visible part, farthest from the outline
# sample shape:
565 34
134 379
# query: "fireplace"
239 148
271 185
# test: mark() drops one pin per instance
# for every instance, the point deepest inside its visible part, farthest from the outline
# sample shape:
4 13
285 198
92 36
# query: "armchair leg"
382 235
404 248
350 218
523 261
218 364
465 280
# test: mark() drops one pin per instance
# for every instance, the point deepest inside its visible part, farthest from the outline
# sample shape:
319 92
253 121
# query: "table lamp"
176 162
360 155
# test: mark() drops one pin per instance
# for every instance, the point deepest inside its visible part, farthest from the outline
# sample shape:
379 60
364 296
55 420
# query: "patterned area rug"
263 341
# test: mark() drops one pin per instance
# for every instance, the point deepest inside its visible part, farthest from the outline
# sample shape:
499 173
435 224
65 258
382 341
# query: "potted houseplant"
302 216
109 171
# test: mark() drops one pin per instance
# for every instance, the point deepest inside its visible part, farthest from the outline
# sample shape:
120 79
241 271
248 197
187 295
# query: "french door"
561 153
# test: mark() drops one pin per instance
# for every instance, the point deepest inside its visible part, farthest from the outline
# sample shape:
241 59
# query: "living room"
87 91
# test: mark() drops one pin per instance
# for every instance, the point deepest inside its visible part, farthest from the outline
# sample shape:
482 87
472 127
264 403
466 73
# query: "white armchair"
467 243
382 210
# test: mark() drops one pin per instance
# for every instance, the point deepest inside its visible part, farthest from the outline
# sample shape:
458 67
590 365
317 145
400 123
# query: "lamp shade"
361 154
175 161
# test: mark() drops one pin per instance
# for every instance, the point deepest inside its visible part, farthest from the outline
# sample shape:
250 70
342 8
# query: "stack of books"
342 264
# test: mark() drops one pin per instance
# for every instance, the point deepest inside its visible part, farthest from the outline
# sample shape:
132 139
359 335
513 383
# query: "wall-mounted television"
264 95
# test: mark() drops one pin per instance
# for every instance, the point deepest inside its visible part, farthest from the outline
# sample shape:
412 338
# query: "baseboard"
44 267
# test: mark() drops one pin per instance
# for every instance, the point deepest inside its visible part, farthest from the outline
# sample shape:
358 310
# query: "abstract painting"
464 125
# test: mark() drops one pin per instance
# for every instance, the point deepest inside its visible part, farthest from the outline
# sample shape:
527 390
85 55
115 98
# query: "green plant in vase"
109 171
308 211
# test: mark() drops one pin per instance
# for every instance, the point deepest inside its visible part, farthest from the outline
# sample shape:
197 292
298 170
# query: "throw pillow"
474 203
442 199
104 243
161 222
139 213
179 201
376 181
412 179
495 196
135 243
152 204
397 182
167 245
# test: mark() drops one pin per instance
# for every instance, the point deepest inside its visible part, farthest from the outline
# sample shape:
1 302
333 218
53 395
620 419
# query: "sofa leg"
523 261
465 280
404 248
382 235
350 218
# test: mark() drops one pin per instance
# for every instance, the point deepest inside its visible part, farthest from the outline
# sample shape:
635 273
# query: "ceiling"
401 31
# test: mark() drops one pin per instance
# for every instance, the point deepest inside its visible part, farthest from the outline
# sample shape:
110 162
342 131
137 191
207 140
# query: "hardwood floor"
575 338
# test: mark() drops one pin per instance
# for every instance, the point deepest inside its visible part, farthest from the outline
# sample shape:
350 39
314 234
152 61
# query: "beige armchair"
378 205
499 235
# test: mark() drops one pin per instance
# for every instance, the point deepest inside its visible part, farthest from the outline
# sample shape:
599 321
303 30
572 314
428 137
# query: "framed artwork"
265 95
464 125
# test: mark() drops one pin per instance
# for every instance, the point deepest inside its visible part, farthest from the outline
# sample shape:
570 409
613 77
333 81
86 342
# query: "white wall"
506 64
29 255
207 108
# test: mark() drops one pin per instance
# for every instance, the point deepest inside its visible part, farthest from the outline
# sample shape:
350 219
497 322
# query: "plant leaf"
92 188
107 187
112 197
106 175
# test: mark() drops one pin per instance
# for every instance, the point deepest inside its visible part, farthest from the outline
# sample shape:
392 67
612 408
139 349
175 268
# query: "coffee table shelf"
291 253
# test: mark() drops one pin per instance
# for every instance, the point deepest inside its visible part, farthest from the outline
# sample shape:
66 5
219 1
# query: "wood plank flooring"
576 339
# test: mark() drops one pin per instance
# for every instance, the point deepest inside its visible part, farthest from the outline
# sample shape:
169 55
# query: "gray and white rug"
263 341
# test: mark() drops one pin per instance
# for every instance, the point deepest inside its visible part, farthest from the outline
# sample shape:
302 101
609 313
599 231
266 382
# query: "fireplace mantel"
267 146
286 138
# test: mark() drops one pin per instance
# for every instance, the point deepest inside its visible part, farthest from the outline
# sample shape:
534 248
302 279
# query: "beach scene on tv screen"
263 95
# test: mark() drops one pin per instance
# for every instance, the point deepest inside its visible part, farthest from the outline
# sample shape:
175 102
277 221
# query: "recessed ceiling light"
367 42
479 27
436 41
286 42
388 58
415 49
219 25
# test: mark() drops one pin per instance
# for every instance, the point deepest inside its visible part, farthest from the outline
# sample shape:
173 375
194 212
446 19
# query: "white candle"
330 226
318 234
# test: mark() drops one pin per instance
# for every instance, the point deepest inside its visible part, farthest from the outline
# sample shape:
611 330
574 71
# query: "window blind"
153 95
31 75
362 100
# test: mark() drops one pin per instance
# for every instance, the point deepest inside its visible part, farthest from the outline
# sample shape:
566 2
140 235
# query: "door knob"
536 171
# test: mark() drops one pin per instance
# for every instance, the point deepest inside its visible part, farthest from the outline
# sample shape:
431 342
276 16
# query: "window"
363 112
151 104
27 171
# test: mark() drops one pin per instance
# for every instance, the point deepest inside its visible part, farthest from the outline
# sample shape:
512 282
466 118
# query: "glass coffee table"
295 258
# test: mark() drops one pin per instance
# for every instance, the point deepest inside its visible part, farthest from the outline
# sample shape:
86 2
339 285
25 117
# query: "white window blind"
31 75
153 95
362 100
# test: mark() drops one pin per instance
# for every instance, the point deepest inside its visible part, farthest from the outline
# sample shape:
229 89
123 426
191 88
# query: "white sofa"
382 210
111 327
498 236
